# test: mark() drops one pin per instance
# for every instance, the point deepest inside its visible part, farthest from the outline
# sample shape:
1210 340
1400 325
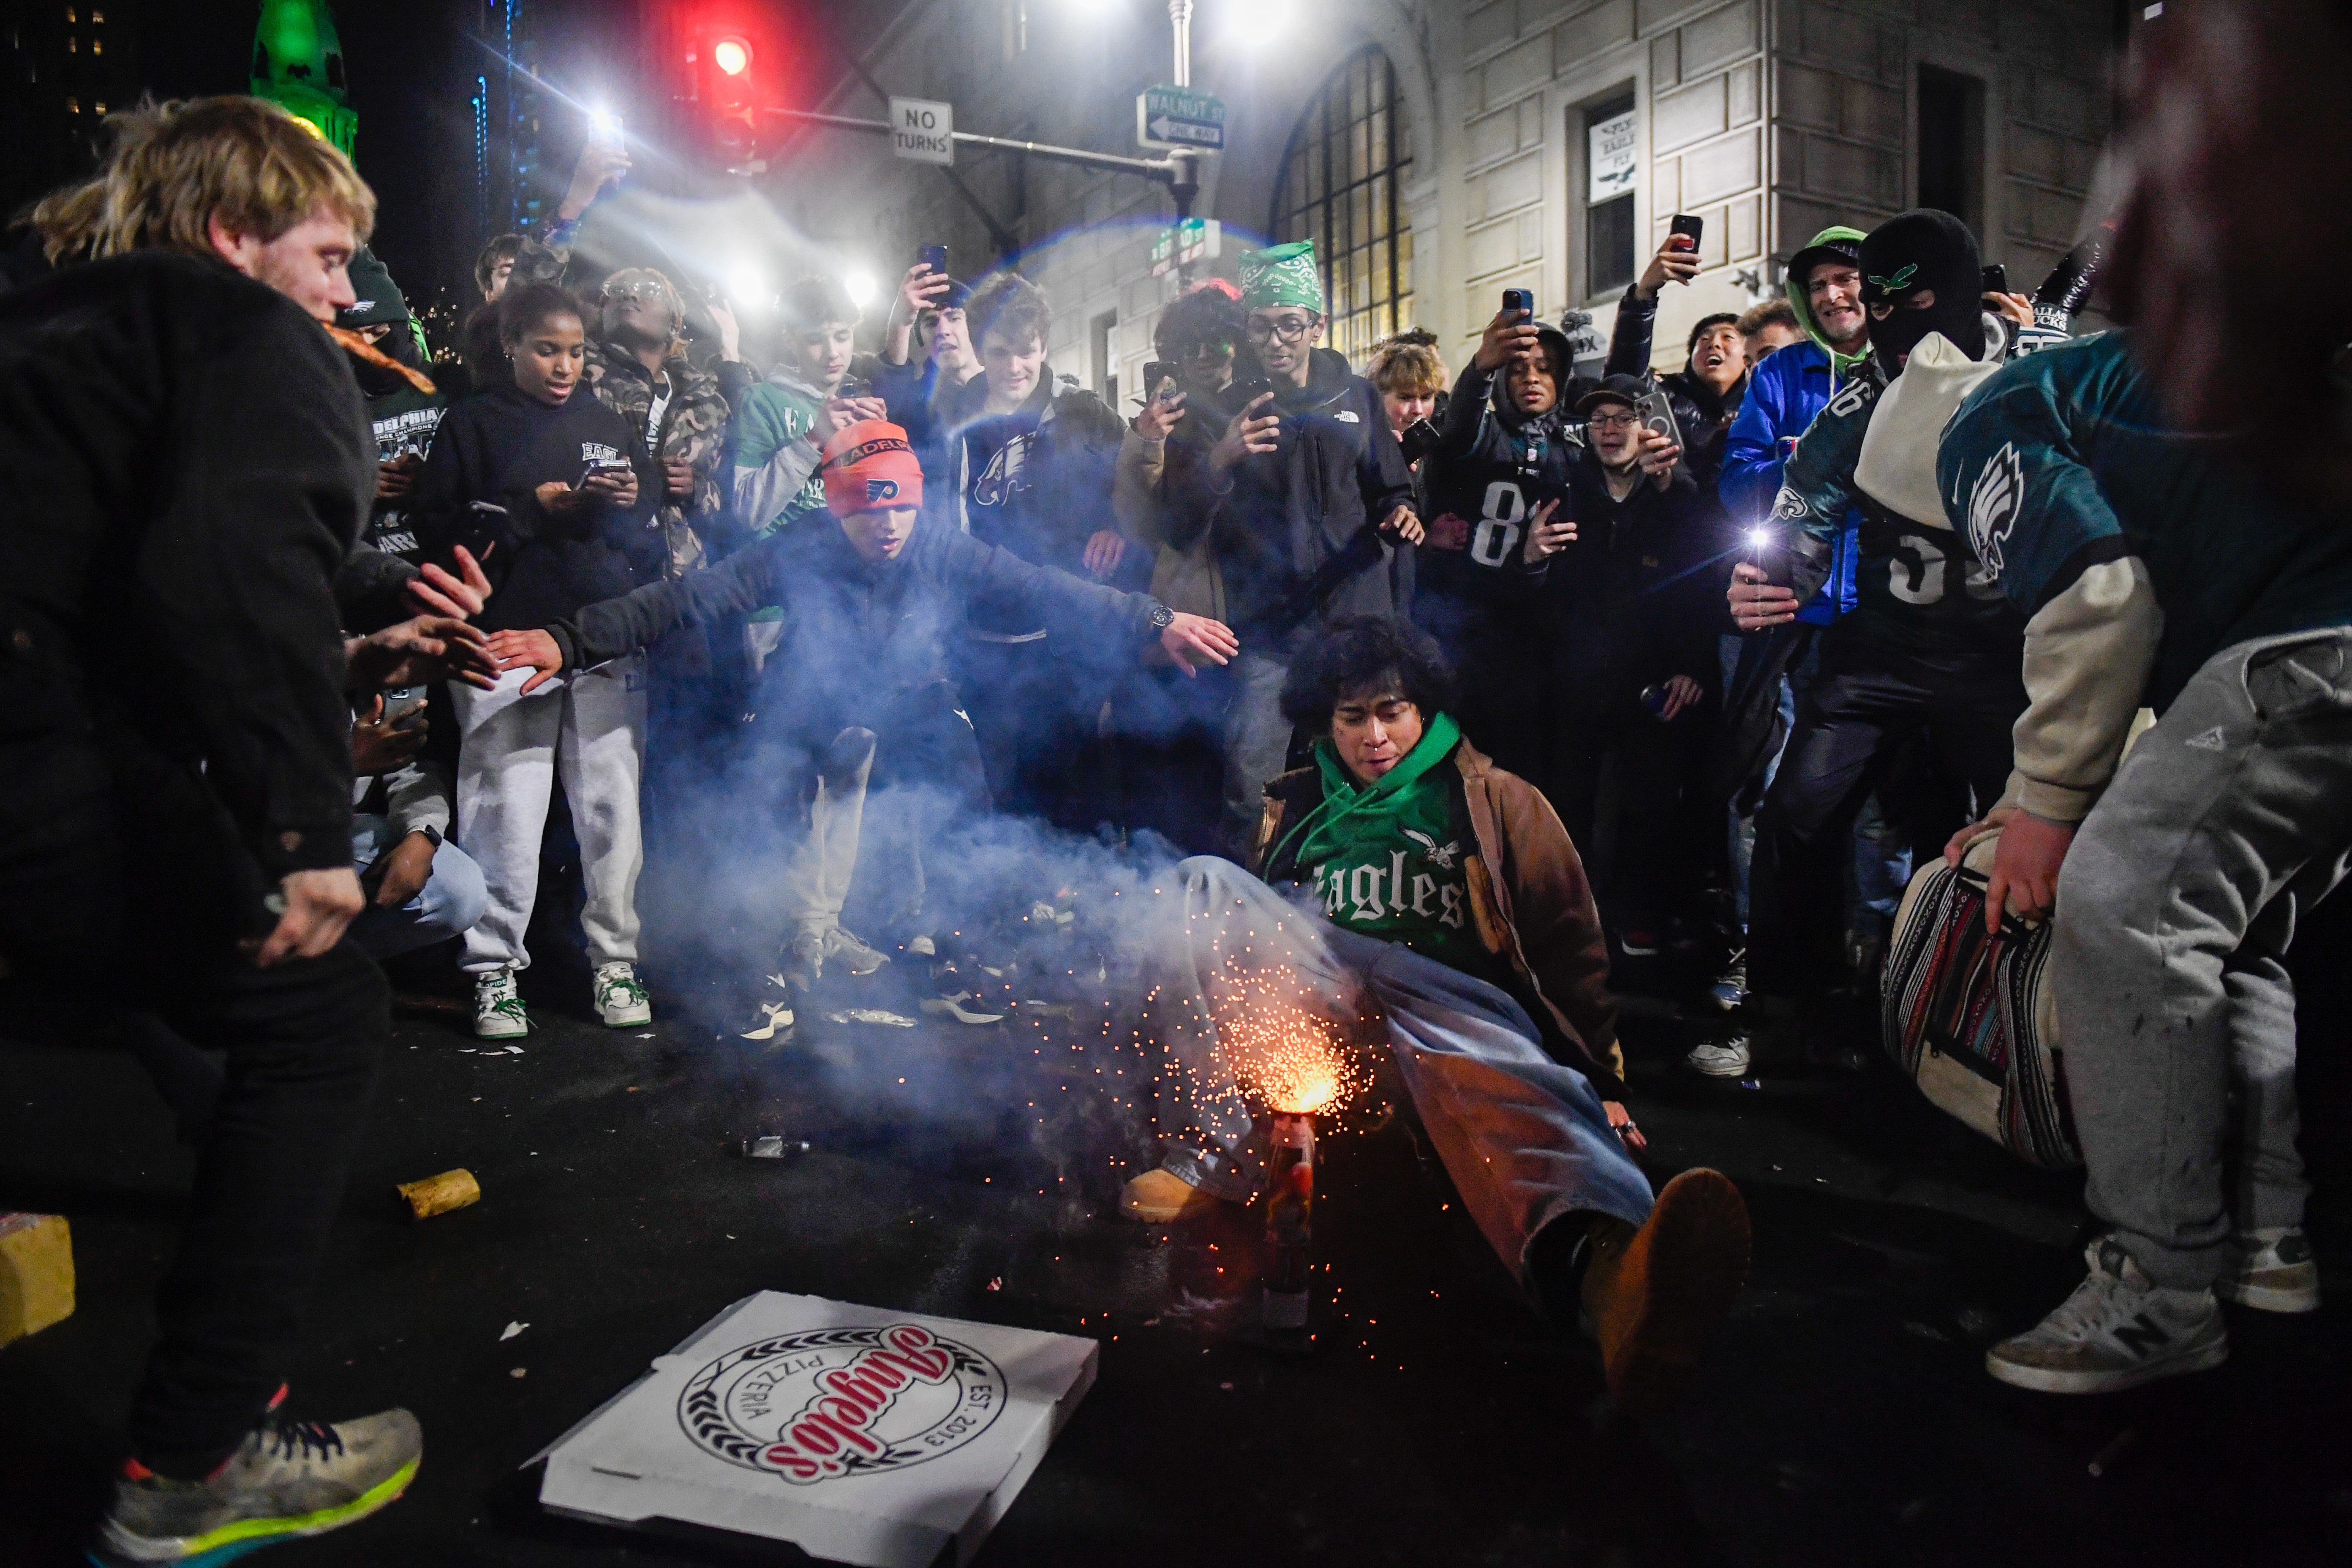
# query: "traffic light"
729 69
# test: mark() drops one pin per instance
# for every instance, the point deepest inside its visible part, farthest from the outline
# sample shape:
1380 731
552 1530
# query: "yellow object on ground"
36 1273
439 1194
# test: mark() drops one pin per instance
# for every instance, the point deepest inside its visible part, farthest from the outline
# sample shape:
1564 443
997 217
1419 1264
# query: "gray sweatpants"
2176 903
1525 1138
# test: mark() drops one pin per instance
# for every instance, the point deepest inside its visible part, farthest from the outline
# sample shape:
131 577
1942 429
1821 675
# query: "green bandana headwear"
1283 275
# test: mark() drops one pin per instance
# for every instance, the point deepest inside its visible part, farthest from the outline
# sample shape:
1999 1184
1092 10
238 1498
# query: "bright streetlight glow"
731 55
747 287
859 287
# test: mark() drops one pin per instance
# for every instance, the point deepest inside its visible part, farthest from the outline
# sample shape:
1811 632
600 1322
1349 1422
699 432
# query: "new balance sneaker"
288 1479
1729 987
2271 1270
620 999
842 946
775 1011
2118 1330
1725 1057
498 1007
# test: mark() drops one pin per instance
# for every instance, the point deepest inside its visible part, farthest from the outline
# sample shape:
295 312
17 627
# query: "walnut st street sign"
1180 119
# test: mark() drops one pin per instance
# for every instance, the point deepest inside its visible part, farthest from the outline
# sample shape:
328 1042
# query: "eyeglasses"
1615 419
1290 329
646 289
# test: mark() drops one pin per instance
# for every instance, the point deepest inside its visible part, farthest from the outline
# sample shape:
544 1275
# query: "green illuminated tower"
298 60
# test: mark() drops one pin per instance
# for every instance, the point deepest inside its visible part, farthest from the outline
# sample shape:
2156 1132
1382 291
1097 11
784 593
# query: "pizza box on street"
859 1434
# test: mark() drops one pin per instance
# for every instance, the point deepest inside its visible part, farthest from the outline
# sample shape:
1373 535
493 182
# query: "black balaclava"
1921 248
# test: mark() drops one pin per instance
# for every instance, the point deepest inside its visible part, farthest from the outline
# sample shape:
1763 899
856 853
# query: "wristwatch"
432 835
1162 617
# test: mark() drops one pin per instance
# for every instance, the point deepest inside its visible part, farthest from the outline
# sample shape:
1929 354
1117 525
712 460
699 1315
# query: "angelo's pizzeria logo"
822 1403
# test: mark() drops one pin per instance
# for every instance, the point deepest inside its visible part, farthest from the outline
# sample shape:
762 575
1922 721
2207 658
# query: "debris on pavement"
871 1016
512 1330
773 1146
439 1194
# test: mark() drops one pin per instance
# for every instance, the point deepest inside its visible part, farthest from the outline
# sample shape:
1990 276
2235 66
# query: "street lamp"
859 287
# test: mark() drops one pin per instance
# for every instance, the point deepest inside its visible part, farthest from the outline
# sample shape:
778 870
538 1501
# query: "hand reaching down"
533 649
417 653
460 597
1191 638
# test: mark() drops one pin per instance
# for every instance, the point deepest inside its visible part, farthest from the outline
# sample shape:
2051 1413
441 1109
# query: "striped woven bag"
1969 1015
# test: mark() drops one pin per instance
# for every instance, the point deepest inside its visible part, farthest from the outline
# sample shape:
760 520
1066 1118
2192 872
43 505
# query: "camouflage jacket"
693 427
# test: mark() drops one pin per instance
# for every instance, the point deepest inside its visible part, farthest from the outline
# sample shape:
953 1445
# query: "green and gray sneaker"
620 999
288 1478
498 1007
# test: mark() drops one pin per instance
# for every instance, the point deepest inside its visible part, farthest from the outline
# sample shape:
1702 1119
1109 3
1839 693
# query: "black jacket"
498 446
1636 599
1037 481
1703 418
857 634
190 466
1296 530
1493 466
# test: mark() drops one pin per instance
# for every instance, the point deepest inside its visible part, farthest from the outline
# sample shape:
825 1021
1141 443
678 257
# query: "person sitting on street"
859 695
1406 874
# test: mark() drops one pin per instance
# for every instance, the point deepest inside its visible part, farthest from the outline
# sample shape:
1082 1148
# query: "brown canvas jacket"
1529 897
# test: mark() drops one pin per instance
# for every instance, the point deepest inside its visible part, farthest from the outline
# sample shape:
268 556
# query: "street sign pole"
1187 183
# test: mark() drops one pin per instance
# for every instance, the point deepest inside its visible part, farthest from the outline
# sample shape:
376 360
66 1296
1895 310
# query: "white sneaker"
922 946
2118 1330
2272 1270
498 1007
1726 1058
963 1007
620 999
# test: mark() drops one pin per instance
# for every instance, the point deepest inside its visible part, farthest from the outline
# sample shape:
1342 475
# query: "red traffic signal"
732 55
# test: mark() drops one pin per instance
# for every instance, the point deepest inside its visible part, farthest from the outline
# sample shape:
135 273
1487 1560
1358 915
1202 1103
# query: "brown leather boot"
1655 1295
1160 1196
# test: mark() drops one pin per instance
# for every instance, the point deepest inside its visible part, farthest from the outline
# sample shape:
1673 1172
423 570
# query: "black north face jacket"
1295 530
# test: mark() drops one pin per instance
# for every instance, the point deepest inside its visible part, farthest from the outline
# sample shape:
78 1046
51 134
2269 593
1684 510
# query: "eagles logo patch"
1994 503
1789 506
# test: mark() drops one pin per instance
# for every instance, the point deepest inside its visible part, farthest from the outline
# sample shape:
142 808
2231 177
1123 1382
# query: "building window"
99 108
97 46
73 106
1951 145
73 45
69 15
1609 238
96 18
1342 186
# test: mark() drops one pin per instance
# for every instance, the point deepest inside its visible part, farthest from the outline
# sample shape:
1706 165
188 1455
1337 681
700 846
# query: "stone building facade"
1442 153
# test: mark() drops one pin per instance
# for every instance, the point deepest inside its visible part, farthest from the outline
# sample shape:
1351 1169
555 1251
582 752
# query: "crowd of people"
1486 685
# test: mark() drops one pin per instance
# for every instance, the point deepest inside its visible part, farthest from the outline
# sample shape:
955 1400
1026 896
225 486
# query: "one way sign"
1179 119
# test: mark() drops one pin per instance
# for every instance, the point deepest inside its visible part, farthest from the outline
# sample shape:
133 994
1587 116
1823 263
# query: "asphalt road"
970 1172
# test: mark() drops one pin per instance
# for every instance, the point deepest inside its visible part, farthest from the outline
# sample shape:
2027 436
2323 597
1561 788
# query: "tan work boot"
1160 1196
1655 1295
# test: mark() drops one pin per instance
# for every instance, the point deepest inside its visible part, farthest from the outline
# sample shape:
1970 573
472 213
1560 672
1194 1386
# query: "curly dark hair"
1204 315
812 302
525 305
1365 656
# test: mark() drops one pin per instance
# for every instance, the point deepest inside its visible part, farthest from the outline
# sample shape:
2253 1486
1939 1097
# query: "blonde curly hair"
1408 362
173 168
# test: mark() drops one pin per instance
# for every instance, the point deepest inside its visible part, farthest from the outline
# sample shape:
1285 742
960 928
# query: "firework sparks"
1280 1051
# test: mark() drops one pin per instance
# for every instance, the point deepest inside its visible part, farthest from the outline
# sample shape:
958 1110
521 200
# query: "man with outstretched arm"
859 694
1409 881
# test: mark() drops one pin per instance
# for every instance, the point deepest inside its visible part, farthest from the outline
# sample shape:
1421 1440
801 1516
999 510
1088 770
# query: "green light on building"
298 61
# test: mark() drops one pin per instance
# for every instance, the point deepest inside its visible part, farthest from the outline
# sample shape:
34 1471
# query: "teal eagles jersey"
2061 461
1918 587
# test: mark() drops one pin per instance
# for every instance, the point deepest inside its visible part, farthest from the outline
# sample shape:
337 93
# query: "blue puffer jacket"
1784 393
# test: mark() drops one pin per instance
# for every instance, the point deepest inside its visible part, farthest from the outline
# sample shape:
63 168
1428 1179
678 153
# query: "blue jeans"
1524 1137
448 904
